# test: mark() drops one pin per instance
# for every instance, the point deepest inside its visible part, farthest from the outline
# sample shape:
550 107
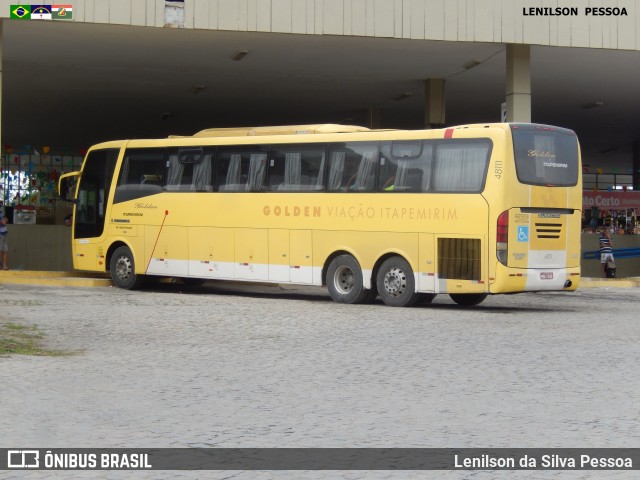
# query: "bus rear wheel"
344 281
396 283
468 299
123 269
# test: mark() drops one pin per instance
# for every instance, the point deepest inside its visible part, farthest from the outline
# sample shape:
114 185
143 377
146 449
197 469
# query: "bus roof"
306 134
280 130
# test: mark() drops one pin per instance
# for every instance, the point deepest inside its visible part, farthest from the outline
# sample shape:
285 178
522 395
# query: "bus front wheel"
468 299
344 281
123 269
396 283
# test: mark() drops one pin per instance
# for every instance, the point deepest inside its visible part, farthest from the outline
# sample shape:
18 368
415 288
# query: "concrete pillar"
373 117
434 103
518 83
635 161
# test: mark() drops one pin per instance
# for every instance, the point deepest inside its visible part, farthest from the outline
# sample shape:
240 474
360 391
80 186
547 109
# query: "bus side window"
189 169
405 166
336 170
142 166
151 179
388 169
300 168
177 173
460 166
239 169
202 172
257 169
352 167
227 172
142 173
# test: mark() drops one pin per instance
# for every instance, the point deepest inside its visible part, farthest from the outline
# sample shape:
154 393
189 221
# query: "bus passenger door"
279 255
252 254
301 270
90 209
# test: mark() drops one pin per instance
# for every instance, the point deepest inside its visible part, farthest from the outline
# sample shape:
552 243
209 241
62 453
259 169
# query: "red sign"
611 200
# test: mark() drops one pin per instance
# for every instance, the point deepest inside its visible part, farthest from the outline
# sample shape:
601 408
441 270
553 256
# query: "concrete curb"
56 279
629 282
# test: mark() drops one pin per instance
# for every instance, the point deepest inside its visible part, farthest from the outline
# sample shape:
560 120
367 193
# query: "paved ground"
267 367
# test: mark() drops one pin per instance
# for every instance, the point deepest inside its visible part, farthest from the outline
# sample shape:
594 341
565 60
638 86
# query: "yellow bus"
404 215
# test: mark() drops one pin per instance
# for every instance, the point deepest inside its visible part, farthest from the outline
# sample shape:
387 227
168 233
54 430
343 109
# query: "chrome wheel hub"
344 280
395 282
123 268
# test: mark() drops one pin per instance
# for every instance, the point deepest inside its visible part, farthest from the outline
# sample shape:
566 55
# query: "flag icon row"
41 12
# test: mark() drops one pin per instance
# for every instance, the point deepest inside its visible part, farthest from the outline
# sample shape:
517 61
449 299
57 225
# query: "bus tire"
396 283
468 299
344 280
123 269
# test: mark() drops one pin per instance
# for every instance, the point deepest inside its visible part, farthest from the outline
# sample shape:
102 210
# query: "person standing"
4 247
606 250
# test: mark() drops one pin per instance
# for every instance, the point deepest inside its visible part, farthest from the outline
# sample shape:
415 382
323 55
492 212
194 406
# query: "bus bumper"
509 280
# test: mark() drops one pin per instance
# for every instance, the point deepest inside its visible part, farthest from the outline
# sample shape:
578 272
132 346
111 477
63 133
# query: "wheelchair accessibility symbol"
523 234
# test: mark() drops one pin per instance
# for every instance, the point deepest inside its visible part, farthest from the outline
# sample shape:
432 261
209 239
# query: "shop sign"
611 200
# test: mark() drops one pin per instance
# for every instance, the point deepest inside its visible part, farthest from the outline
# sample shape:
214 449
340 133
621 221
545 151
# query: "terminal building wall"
491 21
486 21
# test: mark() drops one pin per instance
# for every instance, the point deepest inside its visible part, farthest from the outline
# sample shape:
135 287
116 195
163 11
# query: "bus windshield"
545 155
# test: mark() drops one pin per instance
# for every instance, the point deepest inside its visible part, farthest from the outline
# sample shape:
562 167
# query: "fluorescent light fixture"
402 96
239 55
595 104
471 64
609 150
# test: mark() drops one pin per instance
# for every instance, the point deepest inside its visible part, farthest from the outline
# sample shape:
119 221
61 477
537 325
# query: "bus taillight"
502 237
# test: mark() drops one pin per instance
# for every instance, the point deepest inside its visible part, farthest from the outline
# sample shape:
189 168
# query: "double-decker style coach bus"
465 211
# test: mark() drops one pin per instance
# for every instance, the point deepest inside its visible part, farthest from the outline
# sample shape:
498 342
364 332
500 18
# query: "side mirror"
67 186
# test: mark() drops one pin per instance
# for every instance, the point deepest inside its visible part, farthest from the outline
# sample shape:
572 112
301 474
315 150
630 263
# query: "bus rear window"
545 155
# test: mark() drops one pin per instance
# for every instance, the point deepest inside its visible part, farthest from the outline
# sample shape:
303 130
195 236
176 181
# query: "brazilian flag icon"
20 12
